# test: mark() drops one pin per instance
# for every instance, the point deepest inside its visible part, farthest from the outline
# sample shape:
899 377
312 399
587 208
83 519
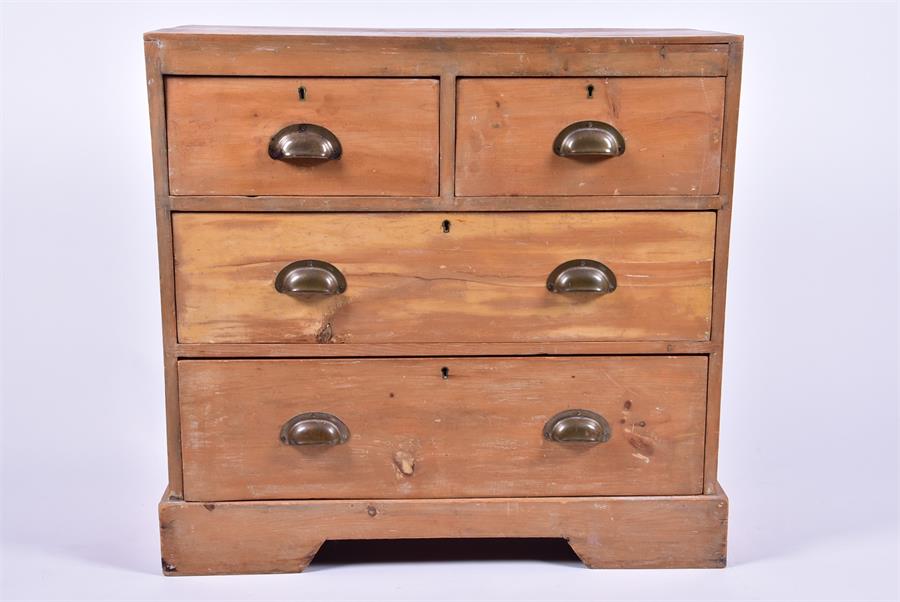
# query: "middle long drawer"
463 277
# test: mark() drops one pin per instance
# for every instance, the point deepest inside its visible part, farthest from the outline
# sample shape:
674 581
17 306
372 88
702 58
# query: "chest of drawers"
437 284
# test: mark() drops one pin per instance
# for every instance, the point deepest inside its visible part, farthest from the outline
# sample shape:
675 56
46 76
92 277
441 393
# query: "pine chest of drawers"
442 284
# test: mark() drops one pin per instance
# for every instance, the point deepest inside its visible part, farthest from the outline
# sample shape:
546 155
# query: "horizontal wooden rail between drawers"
361 350
437 204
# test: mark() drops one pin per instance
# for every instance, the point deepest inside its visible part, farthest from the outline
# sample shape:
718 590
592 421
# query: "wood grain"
445 203
157 102
219 131
447 136
408 281
416 433
594 53
720 278
631 35
506 128
227 537
283 537
243 350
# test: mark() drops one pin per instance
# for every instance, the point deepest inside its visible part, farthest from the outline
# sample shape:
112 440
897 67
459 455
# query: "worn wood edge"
157 104
166 257
635 35
207 538
720 265
363 350
170 358
440 204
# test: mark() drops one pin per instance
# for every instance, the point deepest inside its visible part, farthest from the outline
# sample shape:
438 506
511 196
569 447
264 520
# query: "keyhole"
445 226
445 372
590 90
301 91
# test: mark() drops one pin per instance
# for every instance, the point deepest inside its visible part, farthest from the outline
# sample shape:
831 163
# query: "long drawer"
442 427
466 277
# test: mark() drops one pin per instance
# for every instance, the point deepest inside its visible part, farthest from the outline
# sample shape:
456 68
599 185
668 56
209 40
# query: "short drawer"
445 427
668 131
328 136
467 277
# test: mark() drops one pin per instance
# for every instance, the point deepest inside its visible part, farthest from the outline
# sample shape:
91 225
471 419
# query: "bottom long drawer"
445 427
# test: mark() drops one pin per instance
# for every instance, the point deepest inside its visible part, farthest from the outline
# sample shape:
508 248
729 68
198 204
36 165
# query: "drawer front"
445 427
220 128
671 129
476 277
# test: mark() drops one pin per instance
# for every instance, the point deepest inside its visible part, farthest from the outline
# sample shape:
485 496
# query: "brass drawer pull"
310 277
589 139
305 141
577 426
314 428
581 276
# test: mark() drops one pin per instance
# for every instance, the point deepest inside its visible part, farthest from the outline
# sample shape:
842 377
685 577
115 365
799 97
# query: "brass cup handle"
305 141
589 139
310 277
314 428
582 276
577 426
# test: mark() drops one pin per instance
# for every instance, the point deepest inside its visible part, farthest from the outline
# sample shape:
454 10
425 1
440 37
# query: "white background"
809 421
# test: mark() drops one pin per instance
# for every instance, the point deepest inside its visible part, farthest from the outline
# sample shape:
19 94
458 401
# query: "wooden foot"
673 532
284 536
198 544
